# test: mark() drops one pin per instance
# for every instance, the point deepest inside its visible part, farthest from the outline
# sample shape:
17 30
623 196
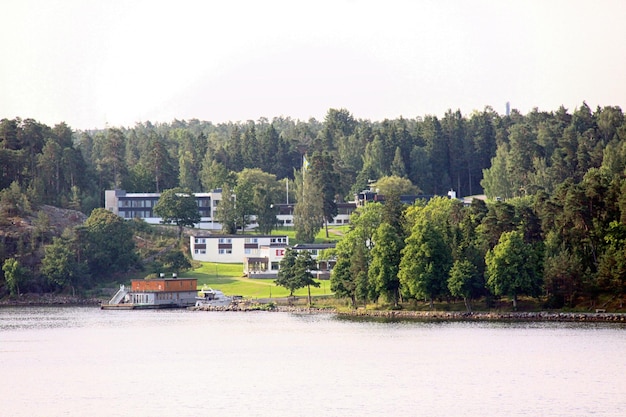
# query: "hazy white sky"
92 62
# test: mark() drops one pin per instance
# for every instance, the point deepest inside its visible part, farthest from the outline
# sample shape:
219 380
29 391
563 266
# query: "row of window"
141 214
136 203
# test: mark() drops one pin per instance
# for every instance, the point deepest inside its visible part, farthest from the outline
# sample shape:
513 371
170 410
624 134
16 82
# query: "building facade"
232 248
141 206
324 266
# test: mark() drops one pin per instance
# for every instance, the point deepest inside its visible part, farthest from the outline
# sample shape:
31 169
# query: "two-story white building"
260 254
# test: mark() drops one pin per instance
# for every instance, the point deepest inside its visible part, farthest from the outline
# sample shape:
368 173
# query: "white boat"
214 298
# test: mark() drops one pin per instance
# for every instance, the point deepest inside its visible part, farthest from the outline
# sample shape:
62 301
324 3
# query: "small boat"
214 298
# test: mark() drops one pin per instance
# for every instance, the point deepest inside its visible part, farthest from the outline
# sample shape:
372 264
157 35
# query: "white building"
141 205
324 266
260 254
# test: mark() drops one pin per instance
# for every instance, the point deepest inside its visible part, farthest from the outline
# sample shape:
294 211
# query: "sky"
94 63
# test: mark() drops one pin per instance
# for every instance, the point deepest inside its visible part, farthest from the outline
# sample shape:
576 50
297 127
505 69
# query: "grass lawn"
228 279
335 233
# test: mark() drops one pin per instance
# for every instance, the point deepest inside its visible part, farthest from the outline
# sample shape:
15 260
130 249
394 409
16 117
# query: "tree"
257 192
426 261
226 213
61 265
215 175
496 179
105 242
463 280
295 272
395 185
14 275
13 202
175 260
178 206
308 214
349 277
383 272
514 267
398 167
326 180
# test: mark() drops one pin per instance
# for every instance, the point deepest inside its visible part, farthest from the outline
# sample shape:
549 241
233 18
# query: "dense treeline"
71 169
568 168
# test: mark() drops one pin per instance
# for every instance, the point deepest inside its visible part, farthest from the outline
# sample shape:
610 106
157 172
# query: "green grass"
228 279
335 233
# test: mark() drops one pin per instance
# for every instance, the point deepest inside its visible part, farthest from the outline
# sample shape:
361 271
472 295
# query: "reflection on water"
84 361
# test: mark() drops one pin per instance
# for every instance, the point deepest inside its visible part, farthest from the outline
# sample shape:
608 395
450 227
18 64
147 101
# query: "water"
88 362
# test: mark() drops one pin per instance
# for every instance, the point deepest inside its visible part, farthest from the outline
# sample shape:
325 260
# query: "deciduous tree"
178 206
514 268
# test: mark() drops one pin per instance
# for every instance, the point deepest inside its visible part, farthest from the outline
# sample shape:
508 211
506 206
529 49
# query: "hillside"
35 229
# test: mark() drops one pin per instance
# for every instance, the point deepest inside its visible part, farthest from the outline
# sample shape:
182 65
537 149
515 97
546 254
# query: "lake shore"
489 316
600 317
26 300
535 316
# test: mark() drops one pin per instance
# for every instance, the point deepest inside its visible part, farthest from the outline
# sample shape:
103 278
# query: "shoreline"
539 316
495 316
36 300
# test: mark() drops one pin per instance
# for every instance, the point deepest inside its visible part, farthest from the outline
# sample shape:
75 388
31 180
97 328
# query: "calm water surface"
88 362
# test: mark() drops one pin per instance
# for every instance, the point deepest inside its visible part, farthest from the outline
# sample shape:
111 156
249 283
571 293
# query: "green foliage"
14 275
463 281
62 265
257 192
175 261
395 185
226 213
514 267
106 244
177 206
571 163
426 261
13 202
295 271
349 277
308 213
385 264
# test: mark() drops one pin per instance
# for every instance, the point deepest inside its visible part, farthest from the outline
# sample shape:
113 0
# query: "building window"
252 240
225 251
275 266
200 240
225 240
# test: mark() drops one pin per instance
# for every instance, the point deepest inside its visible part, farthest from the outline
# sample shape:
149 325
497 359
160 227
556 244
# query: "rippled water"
88 362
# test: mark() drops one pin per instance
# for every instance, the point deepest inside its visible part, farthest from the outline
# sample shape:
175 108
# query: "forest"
554 181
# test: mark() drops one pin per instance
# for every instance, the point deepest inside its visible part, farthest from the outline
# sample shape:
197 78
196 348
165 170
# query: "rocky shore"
48 300
489 316
435 315
539 316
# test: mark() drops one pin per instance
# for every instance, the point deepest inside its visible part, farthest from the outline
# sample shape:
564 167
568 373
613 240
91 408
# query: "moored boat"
214 298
